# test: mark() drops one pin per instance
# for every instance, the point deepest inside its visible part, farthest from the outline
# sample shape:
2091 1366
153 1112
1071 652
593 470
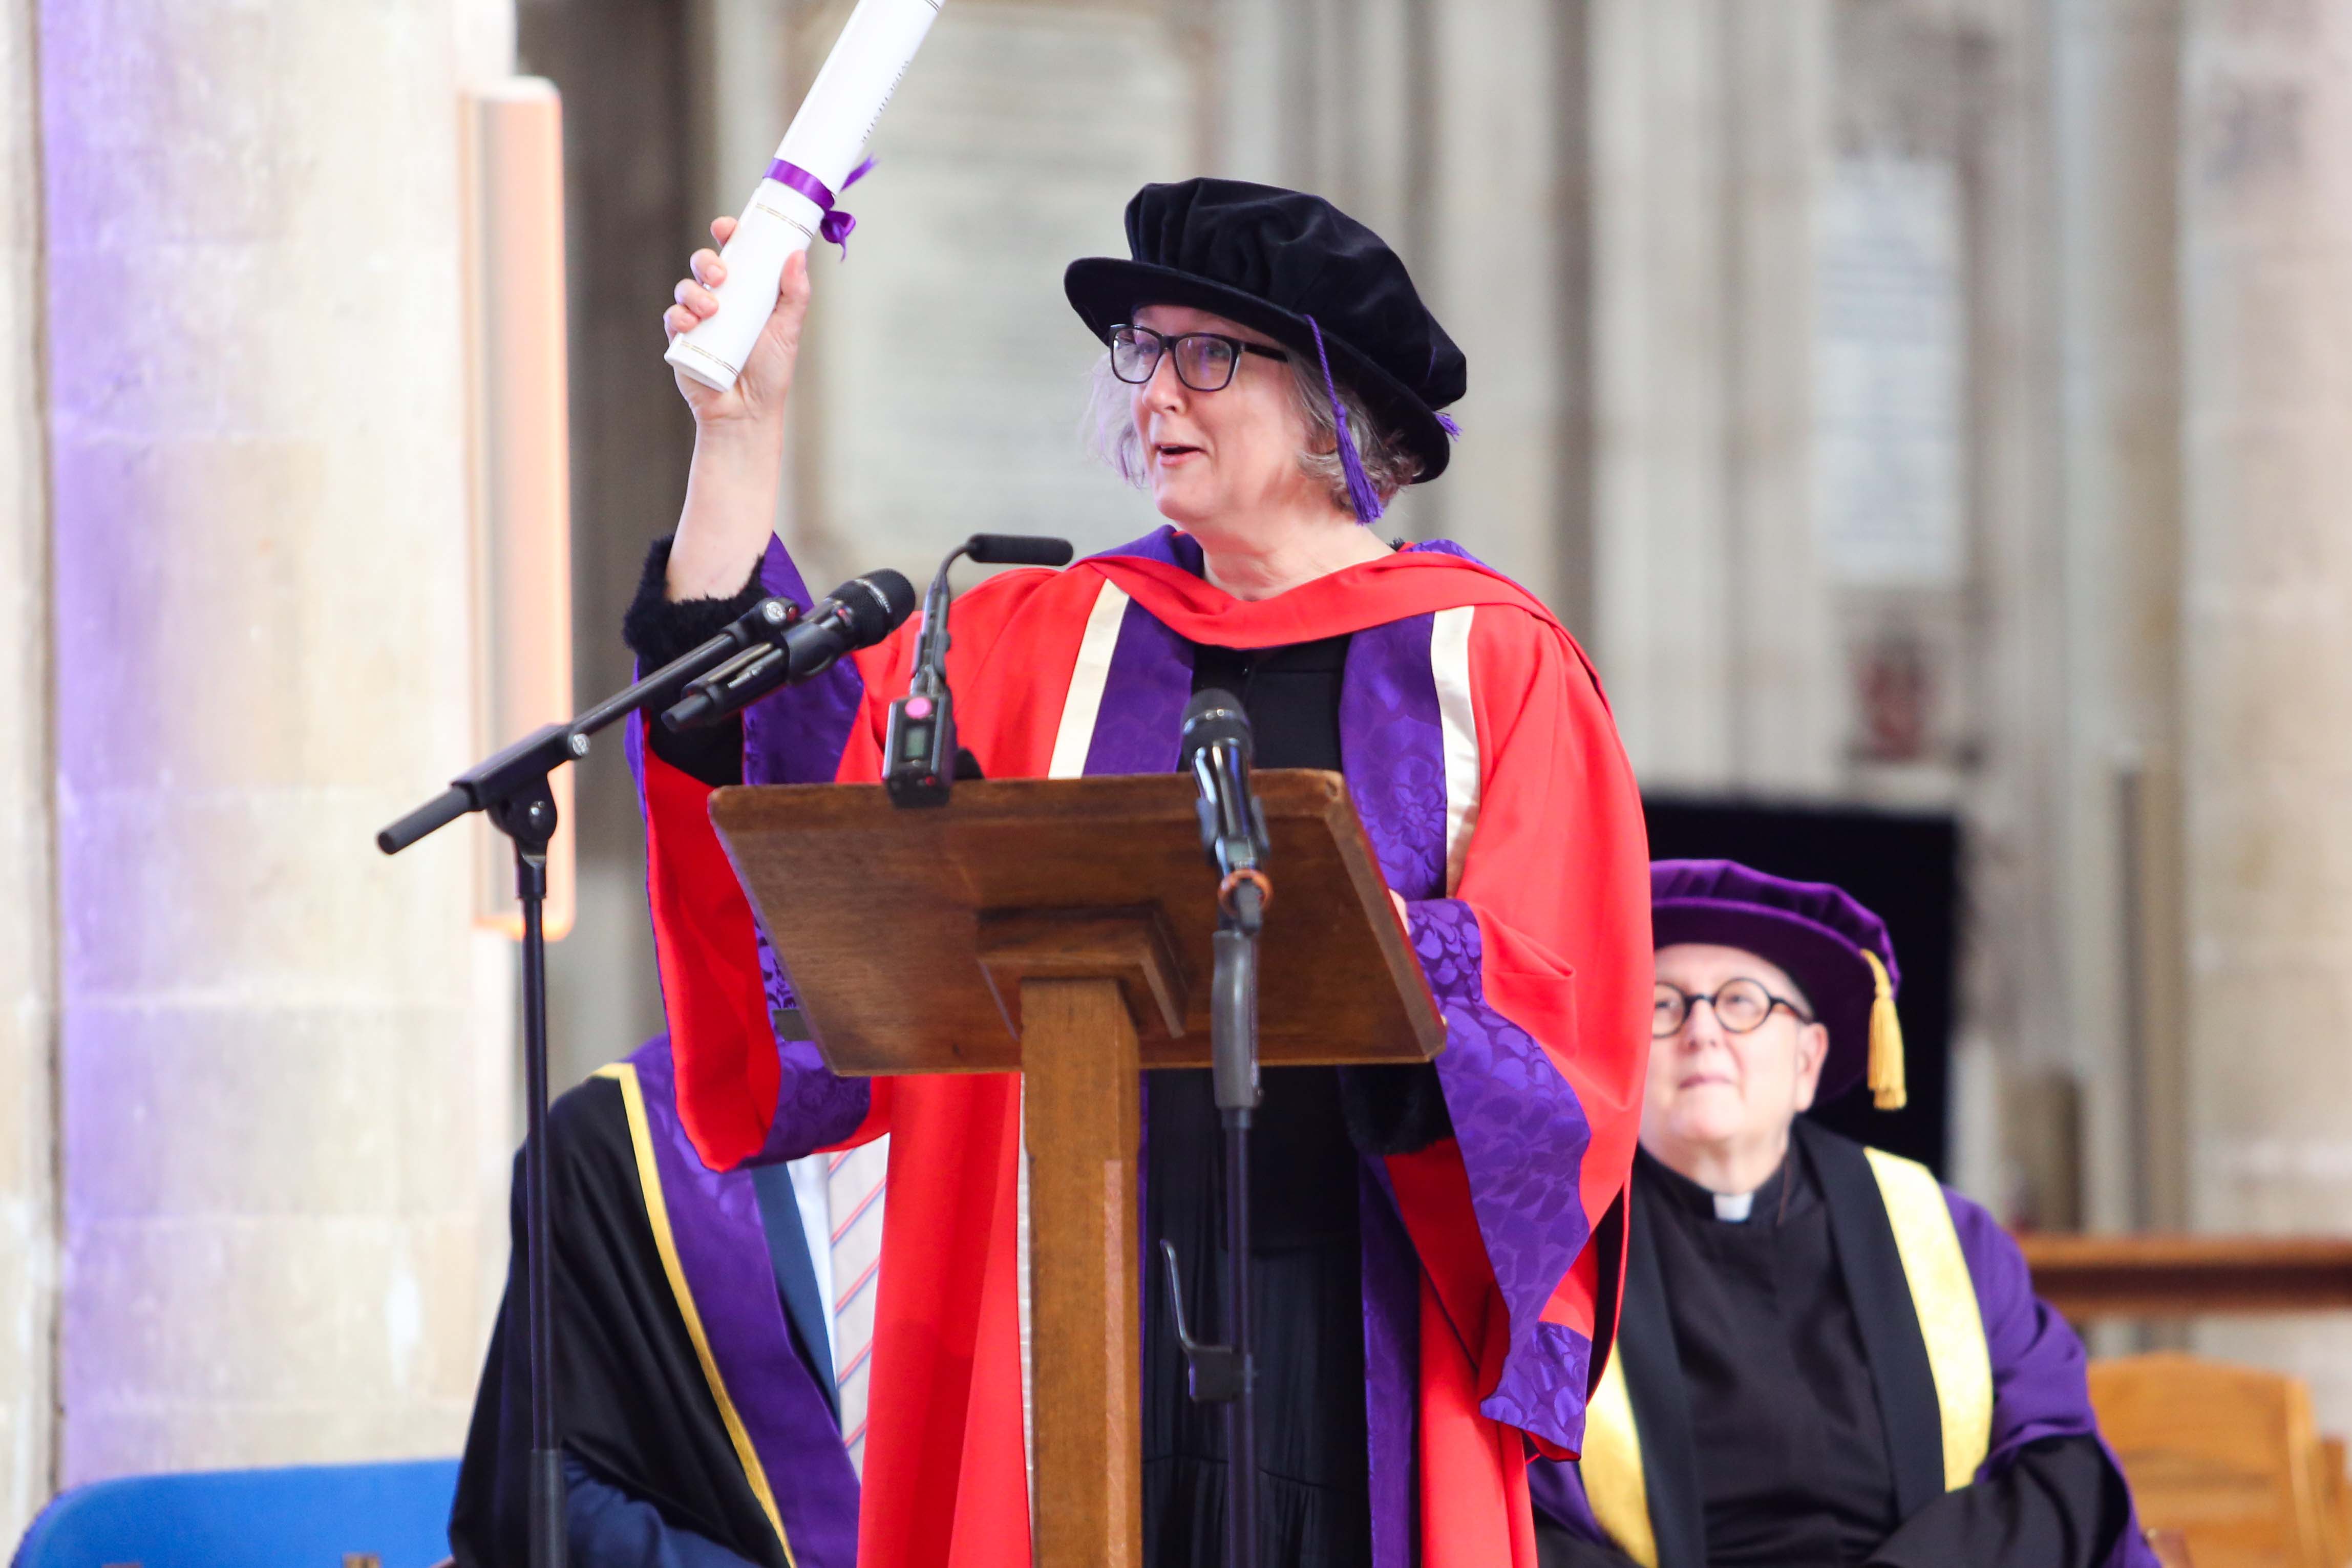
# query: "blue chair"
304 1516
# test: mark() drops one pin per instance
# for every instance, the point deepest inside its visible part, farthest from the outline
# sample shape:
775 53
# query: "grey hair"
1109 429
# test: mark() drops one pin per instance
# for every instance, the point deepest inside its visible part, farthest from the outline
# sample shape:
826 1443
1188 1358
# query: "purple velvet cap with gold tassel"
1834 948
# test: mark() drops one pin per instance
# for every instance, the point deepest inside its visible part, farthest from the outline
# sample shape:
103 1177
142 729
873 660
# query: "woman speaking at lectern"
1435 1248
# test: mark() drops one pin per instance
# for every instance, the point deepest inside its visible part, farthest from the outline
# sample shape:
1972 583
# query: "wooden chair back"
2226 1455
2334 1501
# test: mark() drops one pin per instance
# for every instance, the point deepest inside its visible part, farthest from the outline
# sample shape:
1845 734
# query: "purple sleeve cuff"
1523 1136
2040 1386
814 1108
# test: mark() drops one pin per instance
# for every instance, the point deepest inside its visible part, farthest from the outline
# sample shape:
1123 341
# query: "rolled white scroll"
793 205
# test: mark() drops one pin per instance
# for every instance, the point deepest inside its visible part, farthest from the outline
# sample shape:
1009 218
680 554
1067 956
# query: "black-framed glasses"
1740 1006
1206 361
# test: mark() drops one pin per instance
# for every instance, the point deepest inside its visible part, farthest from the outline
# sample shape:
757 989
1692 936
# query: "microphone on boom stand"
859 613
919 749
769 645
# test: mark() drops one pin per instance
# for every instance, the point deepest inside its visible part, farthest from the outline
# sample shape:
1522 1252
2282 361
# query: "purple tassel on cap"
1445 423
1360 494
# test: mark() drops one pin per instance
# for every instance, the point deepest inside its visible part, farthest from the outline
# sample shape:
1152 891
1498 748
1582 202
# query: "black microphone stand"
1233 1055
1224 1375
1234 839
511 789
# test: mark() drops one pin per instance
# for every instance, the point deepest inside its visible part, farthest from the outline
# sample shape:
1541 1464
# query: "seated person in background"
1824 1357
696 1400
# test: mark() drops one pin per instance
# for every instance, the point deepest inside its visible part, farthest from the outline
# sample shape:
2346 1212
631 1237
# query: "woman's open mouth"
1174 452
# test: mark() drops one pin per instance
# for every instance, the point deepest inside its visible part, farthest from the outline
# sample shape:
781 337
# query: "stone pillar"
2266 635
272 1122
1659 544
2117 135
2011 617
1707 127
1493 249
27 901
1784 722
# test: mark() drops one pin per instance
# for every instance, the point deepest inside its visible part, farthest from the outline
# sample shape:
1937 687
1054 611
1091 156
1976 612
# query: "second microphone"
858 614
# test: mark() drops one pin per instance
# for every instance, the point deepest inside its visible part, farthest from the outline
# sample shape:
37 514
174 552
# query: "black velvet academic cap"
1269 259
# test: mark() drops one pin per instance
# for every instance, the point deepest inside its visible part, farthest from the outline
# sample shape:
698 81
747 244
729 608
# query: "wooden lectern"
1060 928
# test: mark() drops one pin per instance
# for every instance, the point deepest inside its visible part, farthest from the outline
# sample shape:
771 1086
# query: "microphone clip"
730 686
920 745
921 760
788 647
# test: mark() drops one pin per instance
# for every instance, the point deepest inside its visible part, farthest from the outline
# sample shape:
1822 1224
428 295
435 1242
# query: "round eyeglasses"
1740 1006
1206 361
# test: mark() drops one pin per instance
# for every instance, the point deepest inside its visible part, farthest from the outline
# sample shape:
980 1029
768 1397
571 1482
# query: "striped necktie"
854 1194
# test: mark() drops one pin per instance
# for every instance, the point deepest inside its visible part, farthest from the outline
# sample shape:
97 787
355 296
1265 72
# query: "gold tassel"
1887 1088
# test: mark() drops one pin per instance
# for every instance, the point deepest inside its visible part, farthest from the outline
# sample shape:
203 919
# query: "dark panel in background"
622 68
1903 866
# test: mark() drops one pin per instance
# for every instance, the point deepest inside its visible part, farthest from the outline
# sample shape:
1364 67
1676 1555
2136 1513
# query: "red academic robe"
1537 945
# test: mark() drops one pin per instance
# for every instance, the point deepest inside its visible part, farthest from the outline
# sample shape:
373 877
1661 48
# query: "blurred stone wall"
281 1060
2265 717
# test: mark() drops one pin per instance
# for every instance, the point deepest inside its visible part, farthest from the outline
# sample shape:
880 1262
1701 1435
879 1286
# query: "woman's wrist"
749 429
731 508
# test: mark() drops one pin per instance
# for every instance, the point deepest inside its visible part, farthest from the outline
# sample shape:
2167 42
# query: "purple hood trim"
722 1250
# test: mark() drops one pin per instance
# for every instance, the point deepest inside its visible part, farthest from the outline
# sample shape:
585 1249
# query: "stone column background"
274 1109
27 890
1708 126
1494 236
2266 636
2116 133
2011 611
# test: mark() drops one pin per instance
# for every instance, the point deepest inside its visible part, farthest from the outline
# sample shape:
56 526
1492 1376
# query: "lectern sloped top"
882 915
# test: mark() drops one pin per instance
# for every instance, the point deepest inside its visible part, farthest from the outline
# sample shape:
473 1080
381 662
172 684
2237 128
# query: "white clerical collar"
1734 1208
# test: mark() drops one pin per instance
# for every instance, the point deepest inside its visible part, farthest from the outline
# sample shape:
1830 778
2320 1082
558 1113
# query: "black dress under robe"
1310 1134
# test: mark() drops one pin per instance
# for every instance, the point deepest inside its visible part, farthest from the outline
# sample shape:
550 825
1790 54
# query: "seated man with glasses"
1826 1357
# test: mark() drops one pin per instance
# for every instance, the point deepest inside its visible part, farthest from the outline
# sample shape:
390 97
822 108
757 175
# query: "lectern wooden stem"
1083 1105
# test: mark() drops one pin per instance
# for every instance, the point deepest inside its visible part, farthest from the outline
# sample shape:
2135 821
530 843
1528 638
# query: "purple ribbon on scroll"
836 225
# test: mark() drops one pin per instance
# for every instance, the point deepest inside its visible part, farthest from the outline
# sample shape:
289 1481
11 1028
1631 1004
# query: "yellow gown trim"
1944 1297
641 1139
1613 1482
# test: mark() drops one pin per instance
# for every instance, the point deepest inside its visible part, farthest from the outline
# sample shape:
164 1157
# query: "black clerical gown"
1786 1410
652 1473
